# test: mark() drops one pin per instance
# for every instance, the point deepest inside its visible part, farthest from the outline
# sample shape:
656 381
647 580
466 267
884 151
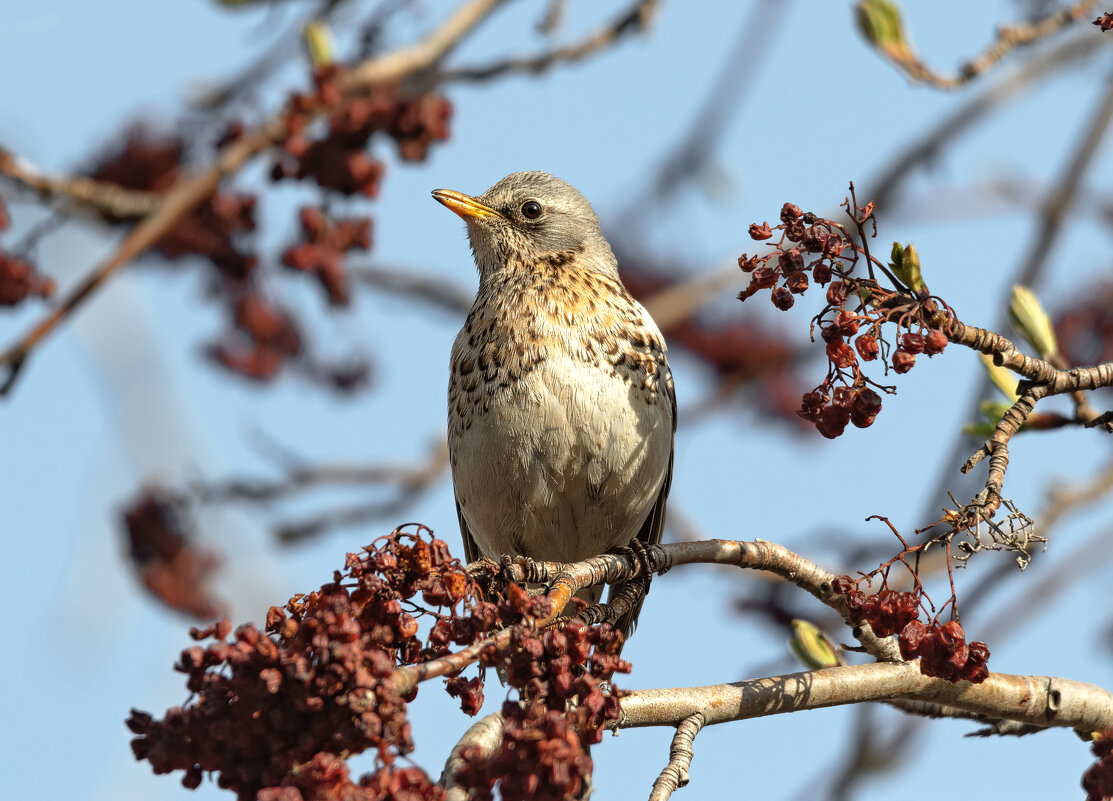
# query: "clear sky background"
120 396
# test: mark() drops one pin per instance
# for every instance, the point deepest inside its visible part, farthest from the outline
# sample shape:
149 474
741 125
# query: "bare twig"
1009 38
675 773
410 484
634 20
98 195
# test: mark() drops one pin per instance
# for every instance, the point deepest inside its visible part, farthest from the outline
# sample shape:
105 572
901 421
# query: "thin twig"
635 20
675 773
1009 38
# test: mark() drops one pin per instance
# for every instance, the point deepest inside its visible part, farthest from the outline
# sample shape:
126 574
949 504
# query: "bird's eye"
531 209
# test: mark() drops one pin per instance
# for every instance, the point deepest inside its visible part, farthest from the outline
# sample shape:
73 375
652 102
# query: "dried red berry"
797 283
847 323
867 347
760 232
903 360
790 260
832 422
841 354
913 343
837 293
782 298
763 277
790 213
934 342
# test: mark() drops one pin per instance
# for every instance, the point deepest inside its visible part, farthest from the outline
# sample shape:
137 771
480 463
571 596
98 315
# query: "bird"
561 405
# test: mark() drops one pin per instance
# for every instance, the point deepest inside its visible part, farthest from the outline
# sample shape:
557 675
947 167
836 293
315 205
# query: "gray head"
531 217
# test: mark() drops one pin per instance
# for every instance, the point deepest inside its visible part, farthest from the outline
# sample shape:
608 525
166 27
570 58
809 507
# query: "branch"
98 195
635 20
483 740
1008 38
298 479
675 773
1038 700
430 289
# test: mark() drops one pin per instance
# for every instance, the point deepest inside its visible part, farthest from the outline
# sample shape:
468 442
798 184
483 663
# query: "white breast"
565 464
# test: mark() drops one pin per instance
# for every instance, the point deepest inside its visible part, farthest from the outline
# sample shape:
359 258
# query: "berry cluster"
266 336
275 713
213 230
161 545
941 647
560 674
18 279
739 351
322 252
812 249
1097 781
339 160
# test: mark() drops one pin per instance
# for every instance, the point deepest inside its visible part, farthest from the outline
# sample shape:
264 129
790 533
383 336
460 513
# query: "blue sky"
121 396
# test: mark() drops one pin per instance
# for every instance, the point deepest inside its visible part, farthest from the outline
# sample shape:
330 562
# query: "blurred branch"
677 303
634 20
98 195
426 288
689 157
1009 38
245 490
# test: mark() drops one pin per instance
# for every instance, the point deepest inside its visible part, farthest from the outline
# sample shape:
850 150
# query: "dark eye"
531 209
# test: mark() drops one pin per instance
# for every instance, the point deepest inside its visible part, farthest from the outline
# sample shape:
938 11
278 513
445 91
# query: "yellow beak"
464 205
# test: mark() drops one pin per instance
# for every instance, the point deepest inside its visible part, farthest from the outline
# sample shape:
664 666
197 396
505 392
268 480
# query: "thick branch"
1037 700
483 739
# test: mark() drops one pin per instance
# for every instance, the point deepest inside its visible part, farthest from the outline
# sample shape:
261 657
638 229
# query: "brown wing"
653 527
471 550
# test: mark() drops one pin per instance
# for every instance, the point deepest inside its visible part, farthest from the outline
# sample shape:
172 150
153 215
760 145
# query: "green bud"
1002 378
906 267
879 21
812 647
318 43
1032 322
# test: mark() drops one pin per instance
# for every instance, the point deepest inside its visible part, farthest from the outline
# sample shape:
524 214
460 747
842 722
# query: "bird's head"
531 218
